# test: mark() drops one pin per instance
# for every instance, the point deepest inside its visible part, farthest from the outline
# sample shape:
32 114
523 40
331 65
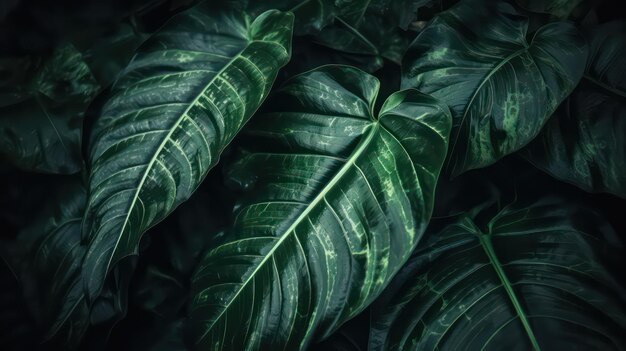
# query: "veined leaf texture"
180 101
335 201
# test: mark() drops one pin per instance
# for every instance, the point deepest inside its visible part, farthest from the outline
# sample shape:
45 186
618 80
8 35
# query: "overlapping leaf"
584 142
537 276
180 101
501 87
335 200
41 115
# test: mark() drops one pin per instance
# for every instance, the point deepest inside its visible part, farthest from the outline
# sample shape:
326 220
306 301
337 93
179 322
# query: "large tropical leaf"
501 87
584 143
538 276
41 114
335 199
180 101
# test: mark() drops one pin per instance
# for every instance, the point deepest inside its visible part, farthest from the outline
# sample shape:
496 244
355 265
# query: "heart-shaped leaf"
500 87
538 276
335 201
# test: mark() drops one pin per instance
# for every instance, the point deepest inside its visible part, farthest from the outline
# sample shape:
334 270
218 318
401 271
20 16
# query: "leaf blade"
501 88
556 258
141 170
315 203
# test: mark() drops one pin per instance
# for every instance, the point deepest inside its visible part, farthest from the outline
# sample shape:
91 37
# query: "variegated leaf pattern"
181 100
583 143
500 87
536 276
334 201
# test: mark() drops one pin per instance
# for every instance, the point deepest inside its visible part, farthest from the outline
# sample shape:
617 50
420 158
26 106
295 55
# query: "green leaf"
584 142
537 276
500 87
335 199
181 100
41 115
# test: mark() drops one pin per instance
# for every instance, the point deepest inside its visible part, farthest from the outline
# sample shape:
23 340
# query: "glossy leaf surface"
501 87
584 142
335 199
537 276
180 101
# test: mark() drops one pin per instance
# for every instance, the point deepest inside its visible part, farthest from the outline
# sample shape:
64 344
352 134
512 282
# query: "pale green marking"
511 110
437 54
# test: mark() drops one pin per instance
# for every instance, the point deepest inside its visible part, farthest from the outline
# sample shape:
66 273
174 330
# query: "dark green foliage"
325 175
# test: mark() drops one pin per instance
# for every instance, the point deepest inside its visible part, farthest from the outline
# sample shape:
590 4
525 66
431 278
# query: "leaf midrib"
162 145
479 88
303 215
486 244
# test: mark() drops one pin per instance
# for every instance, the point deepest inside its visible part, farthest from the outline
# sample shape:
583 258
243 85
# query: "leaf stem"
485 242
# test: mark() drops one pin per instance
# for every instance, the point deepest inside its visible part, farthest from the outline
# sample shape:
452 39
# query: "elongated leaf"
500 87
335 200
584 143
181 100
41 115
537 276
